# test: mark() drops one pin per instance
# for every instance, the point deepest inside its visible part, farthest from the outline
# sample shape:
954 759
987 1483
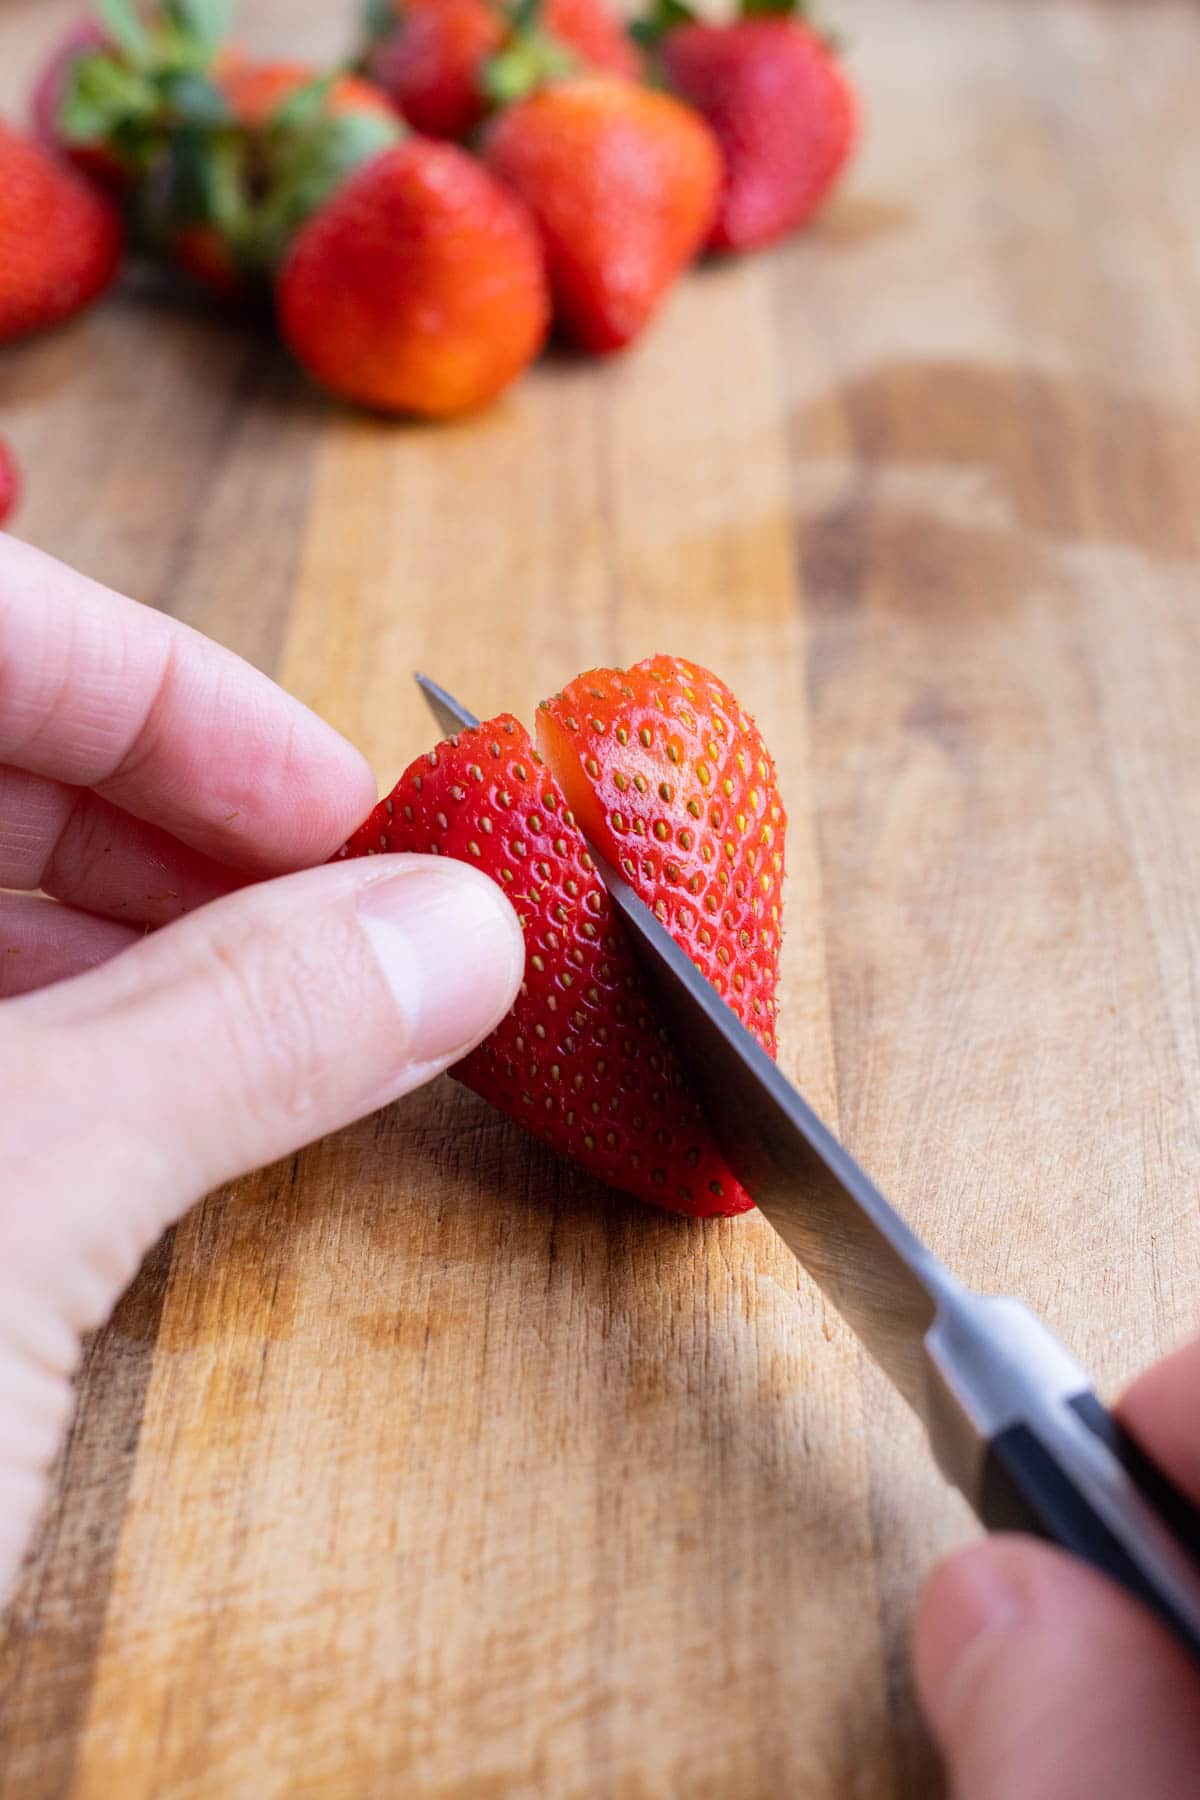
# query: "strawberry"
419 287
581 1061
623 182
124 79
94 159
10 483
783 111
669 777
430 63
432 57
60 239
220 159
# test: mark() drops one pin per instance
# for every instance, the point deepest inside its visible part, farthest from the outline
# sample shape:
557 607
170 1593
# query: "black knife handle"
1036 1480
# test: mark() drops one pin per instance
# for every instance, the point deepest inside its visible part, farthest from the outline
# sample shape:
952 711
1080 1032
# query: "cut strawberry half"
670 778
582 1061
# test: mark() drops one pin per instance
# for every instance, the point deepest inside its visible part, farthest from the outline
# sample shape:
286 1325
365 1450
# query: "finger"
97 691
1042 1680
223 1041
1160 1410
41 942
81 849
239 1033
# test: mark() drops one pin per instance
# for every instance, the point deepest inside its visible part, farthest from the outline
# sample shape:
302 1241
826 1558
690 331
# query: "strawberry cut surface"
582 1061
670 778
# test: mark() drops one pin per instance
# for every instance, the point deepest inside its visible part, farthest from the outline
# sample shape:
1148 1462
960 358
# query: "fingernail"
968 1604
452 951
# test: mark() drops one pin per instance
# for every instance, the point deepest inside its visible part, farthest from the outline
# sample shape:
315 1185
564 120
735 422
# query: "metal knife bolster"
1016 1425
990 1364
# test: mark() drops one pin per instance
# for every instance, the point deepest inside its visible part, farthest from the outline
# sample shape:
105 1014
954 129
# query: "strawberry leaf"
195 100
524 17
526 64
225 204
307 167
206 21
379 18
103 94
663 16
120 20
305 106
190 177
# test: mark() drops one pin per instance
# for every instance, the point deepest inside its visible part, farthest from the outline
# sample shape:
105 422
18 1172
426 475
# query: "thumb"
244 1030
1043 1681
248 1028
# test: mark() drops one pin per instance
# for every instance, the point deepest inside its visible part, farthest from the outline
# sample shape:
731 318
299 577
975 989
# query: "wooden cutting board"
419 1465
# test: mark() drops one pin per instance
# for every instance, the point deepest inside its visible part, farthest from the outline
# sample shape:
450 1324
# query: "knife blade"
1012 1418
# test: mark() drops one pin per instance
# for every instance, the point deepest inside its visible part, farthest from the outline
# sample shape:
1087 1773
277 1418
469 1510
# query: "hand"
177 1025
1042 1680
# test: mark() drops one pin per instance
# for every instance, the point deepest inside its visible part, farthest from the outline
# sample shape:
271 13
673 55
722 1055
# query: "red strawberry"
432 62
419 287
669 777
60 239
580 1061
120 93
95 160
10 483
623 182
783 110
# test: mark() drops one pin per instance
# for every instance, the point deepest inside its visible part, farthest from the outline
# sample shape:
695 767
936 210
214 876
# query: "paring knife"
1012 1418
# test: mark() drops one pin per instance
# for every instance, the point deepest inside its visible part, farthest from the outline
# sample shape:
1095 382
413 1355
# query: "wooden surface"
418 1465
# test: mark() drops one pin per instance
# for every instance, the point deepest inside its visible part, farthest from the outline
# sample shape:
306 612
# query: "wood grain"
418 1464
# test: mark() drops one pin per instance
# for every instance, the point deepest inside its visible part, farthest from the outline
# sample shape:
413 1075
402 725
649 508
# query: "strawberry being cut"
661 762
60 239
782 108
419 287
669 777
623 182
432 54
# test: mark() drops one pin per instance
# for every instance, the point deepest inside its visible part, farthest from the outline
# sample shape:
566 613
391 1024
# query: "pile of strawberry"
490 168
